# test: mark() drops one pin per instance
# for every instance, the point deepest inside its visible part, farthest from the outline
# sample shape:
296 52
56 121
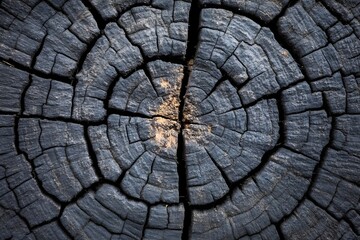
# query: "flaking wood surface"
179 119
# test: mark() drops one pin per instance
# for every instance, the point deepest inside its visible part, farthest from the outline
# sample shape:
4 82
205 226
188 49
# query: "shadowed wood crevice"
179 119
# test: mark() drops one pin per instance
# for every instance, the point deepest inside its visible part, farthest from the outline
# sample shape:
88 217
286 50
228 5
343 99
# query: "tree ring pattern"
180 120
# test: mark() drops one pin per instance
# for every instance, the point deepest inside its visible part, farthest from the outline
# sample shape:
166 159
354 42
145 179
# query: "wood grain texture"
179 119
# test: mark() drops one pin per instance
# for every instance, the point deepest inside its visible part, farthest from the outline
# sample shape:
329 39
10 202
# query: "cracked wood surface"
179 119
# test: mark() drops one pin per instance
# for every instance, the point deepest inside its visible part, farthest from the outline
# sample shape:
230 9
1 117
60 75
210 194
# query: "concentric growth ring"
179 120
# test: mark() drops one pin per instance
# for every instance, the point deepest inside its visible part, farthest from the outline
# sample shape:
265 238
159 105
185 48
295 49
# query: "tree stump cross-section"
180 119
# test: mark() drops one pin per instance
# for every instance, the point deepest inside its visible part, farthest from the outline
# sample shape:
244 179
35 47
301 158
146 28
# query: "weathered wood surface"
179 119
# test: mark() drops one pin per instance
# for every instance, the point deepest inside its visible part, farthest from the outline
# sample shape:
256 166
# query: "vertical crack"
95 13
194 20
193 33
183 191
92 154
146 223
23 95
38 51
280 232
32 164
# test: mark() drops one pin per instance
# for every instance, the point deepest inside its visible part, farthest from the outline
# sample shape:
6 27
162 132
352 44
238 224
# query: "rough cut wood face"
180 119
